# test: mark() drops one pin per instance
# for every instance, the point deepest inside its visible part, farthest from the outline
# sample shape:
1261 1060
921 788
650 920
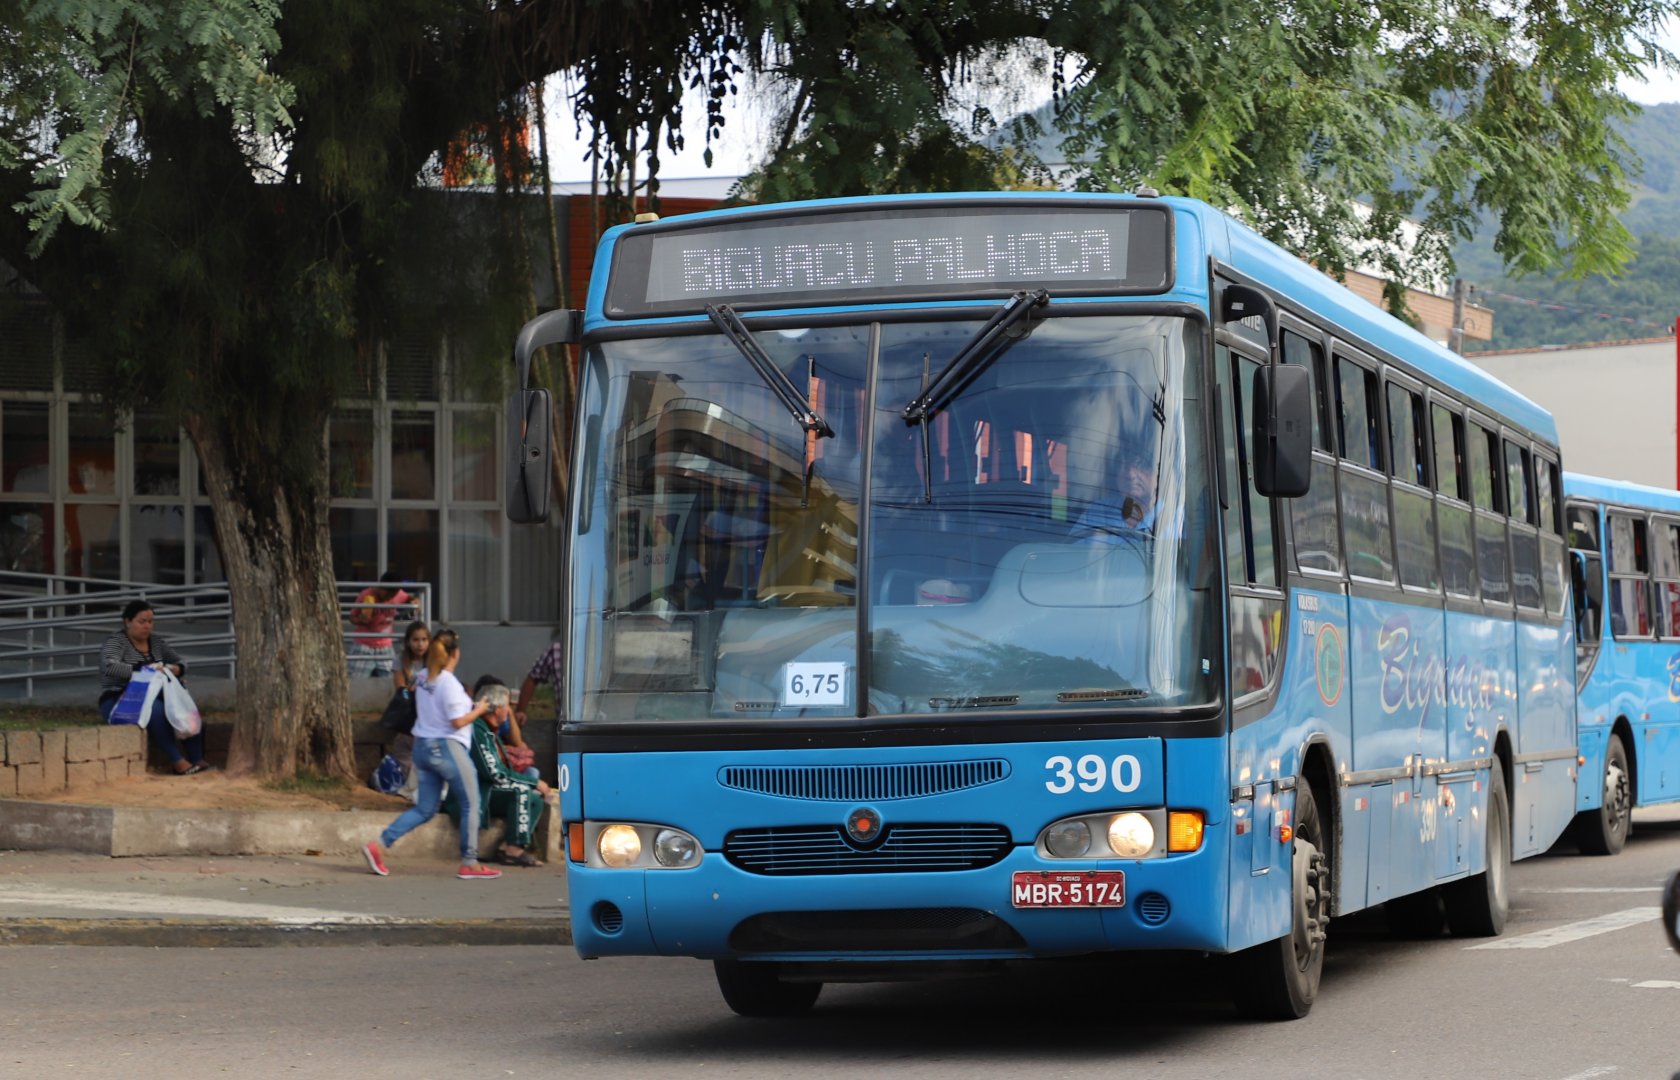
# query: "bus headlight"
1109 834
624 845
673 848
619 846
1068 839
1131 835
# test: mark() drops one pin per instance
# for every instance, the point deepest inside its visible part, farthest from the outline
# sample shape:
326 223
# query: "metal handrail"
39 623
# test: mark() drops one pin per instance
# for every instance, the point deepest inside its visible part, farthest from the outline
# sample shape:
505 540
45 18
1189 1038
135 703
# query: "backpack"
388 777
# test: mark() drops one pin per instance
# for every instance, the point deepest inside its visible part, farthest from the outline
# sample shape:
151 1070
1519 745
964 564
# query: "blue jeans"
160 733
438 762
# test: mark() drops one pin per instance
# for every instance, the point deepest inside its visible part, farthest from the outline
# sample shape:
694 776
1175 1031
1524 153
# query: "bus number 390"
1125 773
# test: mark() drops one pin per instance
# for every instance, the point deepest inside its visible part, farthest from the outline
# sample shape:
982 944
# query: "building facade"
1615 403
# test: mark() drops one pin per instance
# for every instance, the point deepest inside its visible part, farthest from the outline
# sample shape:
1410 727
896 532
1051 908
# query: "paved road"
1582 987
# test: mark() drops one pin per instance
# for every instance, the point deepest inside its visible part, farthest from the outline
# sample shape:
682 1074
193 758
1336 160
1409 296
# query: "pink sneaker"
475 871
370 851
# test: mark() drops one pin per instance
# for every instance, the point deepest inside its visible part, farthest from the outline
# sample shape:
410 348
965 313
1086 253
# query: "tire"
1278 980
1671 912
1417 917
1605 831
1477 905
757 989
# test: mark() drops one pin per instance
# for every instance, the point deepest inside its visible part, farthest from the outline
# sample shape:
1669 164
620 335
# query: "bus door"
1587 590
1661 748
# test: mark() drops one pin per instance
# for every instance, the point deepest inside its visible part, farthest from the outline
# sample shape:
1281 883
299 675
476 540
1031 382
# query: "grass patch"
22 716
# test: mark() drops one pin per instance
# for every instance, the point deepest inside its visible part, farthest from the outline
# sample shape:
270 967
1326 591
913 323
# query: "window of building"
414 475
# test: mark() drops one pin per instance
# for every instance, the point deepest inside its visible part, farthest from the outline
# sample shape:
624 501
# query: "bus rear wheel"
1605 831
758 989
1279 979
1477 905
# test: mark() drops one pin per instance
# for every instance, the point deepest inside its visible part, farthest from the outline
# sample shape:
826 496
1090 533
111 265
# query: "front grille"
902 849
890 930
863 783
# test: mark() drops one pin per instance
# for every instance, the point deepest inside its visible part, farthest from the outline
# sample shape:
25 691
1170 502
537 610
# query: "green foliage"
1285 112
1549 310
1642 301
72 73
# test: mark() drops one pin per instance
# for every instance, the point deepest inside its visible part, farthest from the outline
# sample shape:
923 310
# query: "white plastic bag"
179 706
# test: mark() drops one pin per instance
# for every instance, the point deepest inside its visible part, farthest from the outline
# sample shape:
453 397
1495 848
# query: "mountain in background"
1643 302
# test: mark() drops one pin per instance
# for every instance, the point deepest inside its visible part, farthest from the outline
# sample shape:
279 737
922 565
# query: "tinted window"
1516 482
1356 391
1407 452
1484 481
1449 452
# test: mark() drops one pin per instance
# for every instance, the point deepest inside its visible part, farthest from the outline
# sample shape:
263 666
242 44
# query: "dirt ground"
216 790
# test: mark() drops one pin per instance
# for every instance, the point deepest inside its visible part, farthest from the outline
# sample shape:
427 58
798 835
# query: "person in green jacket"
504 793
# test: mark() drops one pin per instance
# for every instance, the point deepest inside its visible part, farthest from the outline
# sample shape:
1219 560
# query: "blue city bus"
1624 544
963 579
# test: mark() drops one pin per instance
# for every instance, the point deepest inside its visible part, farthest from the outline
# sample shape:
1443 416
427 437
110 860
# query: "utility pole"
1455 340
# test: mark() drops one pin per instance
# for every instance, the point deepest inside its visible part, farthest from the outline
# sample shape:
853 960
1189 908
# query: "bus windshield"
1041 543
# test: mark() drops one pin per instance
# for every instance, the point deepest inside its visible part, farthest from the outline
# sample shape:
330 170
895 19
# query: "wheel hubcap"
1616 796
1312 900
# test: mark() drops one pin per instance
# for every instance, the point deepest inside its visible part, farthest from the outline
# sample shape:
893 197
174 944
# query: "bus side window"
1525 542
1317 534
1365 517
1630 599
1414 510
1665 569
1452 504
1256 620
1553 554
1588 577
1492 555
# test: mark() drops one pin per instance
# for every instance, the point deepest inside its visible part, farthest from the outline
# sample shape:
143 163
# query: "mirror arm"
560 327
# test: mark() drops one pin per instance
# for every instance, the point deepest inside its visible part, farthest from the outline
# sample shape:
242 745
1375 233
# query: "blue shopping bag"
135 705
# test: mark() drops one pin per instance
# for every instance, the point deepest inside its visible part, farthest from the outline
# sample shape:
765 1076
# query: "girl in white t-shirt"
444 715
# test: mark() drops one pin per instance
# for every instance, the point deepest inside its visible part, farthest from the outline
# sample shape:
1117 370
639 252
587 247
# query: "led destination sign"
904 253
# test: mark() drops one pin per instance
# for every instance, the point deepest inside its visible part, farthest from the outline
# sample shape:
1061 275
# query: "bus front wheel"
1279 979
1605 831
1476 905
757 989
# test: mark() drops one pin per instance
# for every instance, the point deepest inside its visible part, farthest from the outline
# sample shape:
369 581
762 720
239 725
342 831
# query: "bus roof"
1620 492
1228 240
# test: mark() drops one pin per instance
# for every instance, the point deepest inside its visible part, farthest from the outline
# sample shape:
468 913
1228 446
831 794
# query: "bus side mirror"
1282 430
530 456
530 414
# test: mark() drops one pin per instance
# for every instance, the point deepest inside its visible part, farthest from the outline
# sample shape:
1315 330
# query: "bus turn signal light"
1184 830
574 841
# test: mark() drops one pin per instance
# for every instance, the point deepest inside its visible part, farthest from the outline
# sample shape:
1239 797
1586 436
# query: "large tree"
215 193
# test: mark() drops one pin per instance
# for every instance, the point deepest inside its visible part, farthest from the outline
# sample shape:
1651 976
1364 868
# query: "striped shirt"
119 659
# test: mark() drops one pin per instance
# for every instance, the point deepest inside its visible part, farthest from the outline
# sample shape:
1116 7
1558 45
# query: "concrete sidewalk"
70 898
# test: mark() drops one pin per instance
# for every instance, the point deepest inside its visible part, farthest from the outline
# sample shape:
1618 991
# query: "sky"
744 128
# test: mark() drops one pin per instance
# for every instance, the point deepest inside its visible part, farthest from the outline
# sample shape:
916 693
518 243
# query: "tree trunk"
273 531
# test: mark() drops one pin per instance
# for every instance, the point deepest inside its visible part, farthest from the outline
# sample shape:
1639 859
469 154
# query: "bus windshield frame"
1042 547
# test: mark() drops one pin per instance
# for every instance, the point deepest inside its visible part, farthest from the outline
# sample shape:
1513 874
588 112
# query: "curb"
251 933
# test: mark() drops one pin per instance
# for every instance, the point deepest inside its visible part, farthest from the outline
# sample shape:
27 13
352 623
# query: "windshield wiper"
731 326
990 342
1002 330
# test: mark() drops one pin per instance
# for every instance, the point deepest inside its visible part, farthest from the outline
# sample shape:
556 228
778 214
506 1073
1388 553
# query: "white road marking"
1575 931
1598 889
1657 984
1596 1070
175 906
